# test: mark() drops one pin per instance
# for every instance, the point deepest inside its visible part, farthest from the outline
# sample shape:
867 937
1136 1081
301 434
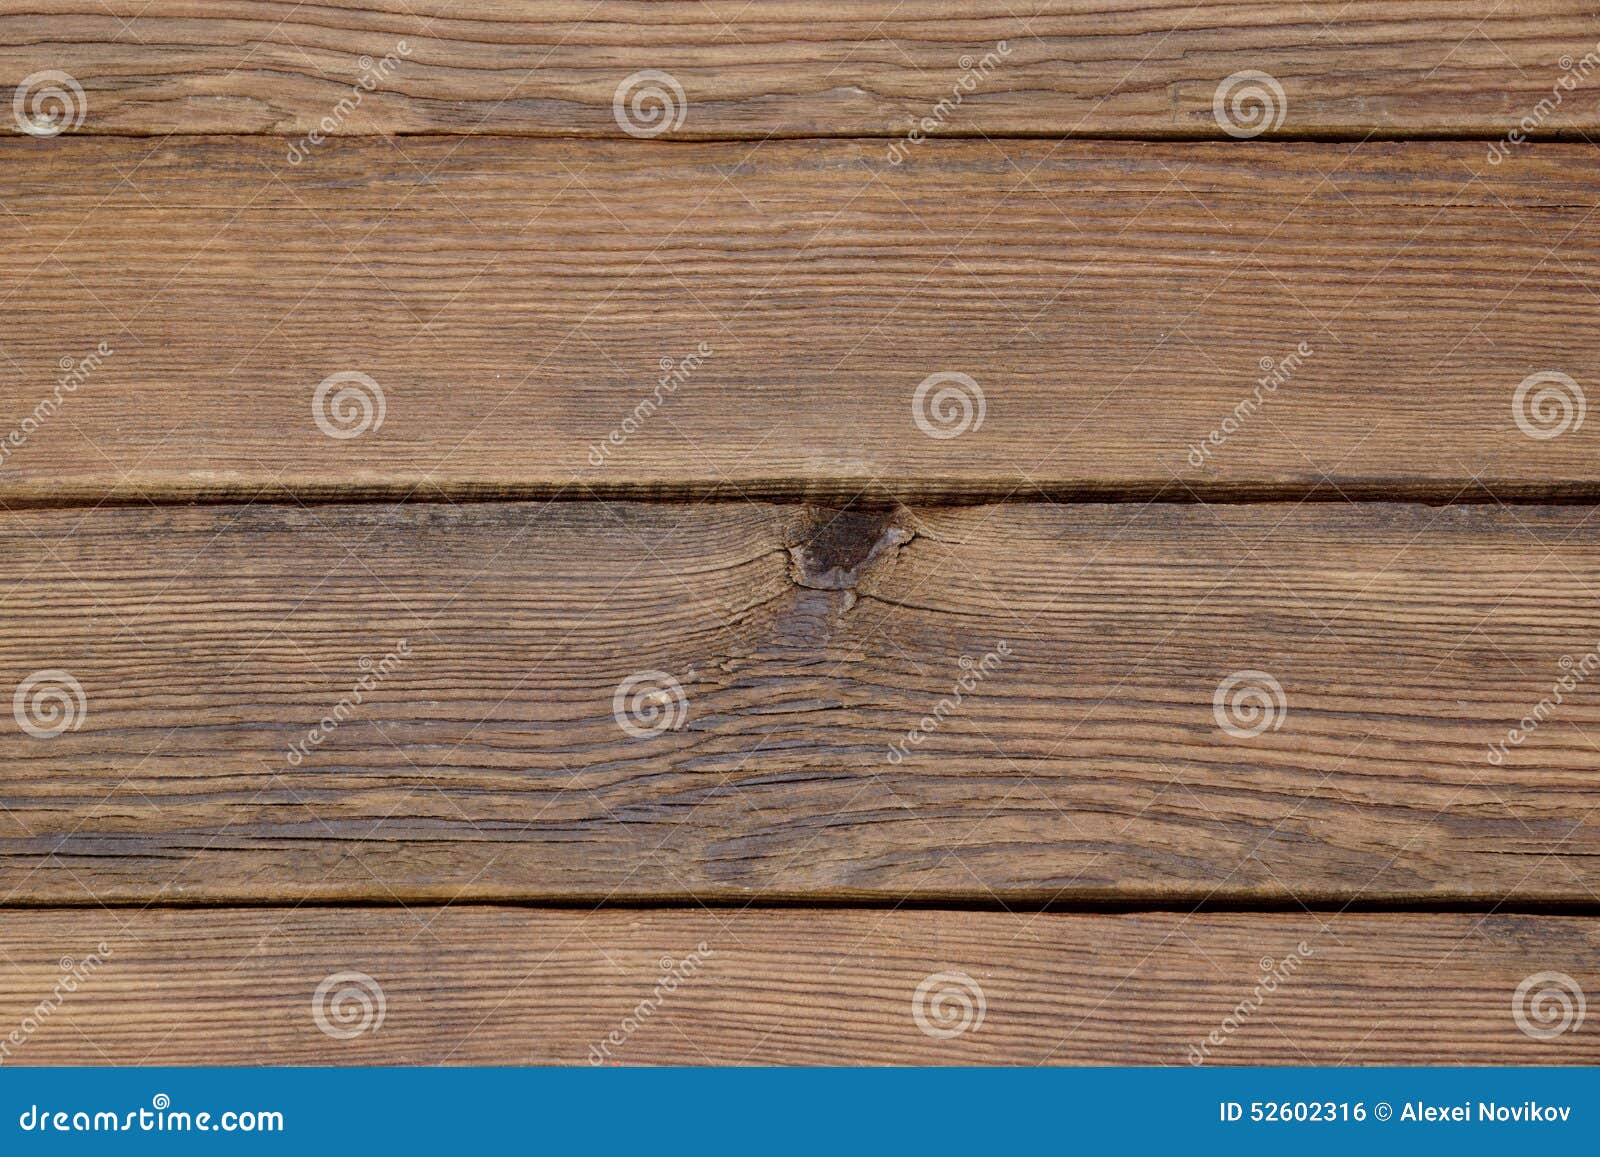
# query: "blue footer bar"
763 1111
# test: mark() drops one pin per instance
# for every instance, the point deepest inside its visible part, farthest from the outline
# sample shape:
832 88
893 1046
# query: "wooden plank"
788 67
663 320
1019 703
508 986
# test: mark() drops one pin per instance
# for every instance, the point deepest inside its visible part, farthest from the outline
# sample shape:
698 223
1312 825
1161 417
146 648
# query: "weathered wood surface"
790 67
508 986
515 303
1085 759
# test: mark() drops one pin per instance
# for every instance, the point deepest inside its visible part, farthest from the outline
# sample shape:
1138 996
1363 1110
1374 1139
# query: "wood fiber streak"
506 986
516 302
787 67
1084 760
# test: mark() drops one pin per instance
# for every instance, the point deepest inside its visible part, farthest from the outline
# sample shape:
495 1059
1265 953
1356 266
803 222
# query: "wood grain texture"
516 303
506 986
1083 759
794 67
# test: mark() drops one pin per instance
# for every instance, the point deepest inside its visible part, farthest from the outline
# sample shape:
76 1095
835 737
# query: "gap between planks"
878 495
1196 904
1481 136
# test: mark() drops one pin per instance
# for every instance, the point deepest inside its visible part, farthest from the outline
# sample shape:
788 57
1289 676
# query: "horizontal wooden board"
645 319
793 67
1013 703
506 986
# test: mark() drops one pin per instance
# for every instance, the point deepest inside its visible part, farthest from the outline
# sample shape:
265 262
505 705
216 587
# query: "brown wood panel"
794 67
651 319
420 702
507 986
